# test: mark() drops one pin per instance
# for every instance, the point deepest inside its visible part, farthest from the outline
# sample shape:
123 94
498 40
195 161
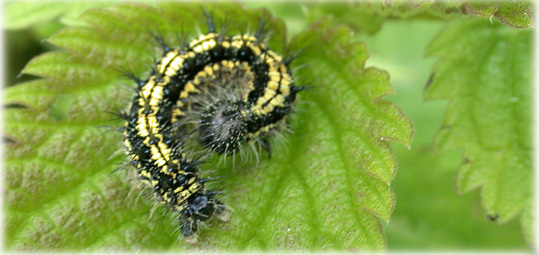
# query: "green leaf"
487 76
369 16
325 187
24 14
349 122
354 14
429 215
514 13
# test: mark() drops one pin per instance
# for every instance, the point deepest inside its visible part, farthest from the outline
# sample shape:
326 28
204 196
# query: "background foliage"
431 209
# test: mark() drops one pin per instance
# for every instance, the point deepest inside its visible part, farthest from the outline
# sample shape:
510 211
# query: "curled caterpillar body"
157 155
218 92
254 102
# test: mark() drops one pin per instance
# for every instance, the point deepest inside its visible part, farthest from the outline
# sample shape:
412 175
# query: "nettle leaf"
24 14
515 13
369 16
325 187
487 76
21 15
347 121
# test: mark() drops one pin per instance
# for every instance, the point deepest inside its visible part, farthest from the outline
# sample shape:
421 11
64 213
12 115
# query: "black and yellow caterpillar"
216 92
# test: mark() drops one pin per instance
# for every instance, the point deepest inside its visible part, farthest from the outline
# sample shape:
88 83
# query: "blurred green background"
428 214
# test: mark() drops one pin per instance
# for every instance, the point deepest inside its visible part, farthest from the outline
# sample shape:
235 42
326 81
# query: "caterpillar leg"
189 229
198 209
221 212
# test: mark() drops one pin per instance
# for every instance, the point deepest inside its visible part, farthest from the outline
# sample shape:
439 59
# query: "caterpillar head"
222 127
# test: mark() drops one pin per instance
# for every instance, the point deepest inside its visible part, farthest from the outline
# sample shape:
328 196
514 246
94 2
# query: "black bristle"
158 37
209 21
261 28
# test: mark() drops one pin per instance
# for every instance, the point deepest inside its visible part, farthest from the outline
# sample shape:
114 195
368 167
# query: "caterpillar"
216 92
